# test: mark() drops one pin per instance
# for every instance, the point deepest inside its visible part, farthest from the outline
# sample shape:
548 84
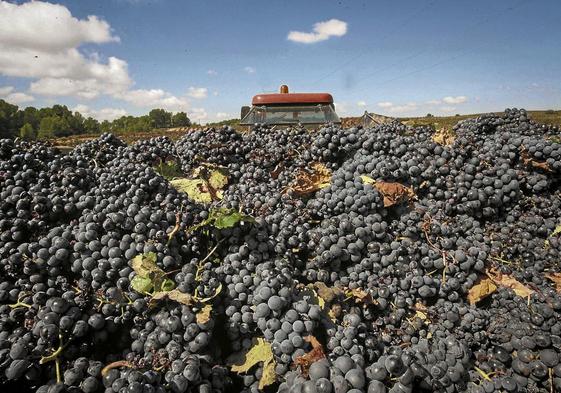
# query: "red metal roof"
292 98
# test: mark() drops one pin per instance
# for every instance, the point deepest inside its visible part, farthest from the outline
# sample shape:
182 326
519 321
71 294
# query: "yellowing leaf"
206 299
556 232
556 278
505 280
197 189
145 264
482 288
421 311
203 316
261 352
360 296
310 180
175 295
444 137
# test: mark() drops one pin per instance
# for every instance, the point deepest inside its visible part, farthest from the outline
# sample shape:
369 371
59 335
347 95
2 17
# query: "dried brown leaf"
393 193
528 160
505 280
306 360
556 278
360 296
310 180
203 316
482 288
444 137
175 295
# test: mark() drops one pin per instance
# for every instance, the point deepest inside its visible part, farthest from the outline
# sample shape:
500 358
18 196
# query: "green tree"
180 119
160 118
27 132
91 126
9 120
52 126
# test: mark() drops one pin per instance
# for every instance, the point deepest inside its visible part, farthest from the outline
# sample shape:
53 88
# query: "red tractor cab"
284 108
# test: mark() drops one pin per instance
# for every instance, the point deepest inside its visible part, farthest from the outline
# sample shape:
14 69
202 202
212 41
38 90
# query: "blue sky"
209 57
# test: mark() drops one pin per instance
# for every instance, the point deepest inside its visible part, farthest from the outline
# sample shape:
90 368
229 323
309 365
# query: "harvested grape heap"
390 259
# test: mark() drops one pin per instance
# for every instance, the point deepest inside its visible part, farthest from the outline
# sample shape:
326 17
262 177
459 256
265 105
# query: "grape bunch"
395 258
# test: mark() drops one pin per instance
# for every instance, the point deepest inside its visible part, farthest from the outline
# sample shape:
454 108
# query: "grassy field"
438 122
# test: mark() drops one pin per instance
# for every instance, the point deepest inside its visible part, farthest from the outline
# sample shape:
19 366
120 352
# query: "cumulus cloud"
41 41
101 114
249 70
212 72
321 31
8 94
397 109
197 92
361 104
455 100
198 114
433 102
155 98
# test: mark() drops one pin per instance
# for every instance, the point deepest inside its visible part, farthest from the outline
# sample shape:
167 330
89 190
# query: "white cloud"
155 98
361 104
385 104
48 27
212 72
447 108
41 41
8 94
341 108
433 102
409 107
198 114
455 100
197 92
320 32
249 70
101 114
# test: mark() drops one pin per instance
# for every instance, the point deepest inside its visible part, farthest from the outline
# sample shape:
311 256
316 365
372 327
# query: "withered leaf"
393 193
482 288
312 179
175 295
203 316
261 352
528 160
444 137
508 281
306 360
360 296
556 278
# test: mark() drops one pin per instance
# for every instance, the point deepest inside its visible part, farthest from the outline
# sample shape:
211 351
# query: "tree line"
58 121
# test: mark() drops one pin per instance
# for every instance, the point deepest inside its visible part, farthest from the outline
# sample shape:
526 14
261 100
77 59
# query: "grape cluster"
340 286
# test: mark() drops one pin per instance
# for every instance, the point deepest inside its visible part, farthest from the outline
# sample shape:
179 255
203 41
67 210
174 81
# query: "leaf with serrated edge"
203 316
261 352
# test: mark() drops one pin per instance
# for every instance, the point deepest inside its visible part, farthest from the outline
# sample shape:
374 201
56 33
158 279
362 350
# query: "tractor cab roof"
292 99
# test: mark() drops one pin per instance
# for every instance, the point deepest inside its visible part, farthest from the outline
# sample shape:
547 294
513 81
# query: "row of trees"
58 121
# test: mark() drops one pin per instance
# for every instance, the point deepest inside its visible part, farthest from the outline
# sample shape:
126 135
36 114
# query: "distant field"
438 122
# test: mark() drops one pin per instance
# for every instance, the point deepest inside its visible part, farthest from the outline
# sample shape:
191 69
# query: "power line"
440 62
354 59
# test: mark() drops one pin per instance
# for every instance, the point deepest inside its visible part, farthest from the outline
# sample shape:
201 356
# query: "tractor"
286 109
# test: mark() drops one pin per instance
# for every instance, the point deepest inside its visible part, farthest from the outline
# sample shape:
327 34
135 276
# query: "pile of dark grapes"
348 292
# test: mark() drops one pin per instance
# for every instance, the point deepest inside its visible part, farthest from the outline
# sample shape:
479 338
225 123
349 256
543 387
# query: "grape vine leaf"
203 316
444 137
312 179
141 284
556 278
261 352
175 295
508 281
306 360
482 288
393 193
